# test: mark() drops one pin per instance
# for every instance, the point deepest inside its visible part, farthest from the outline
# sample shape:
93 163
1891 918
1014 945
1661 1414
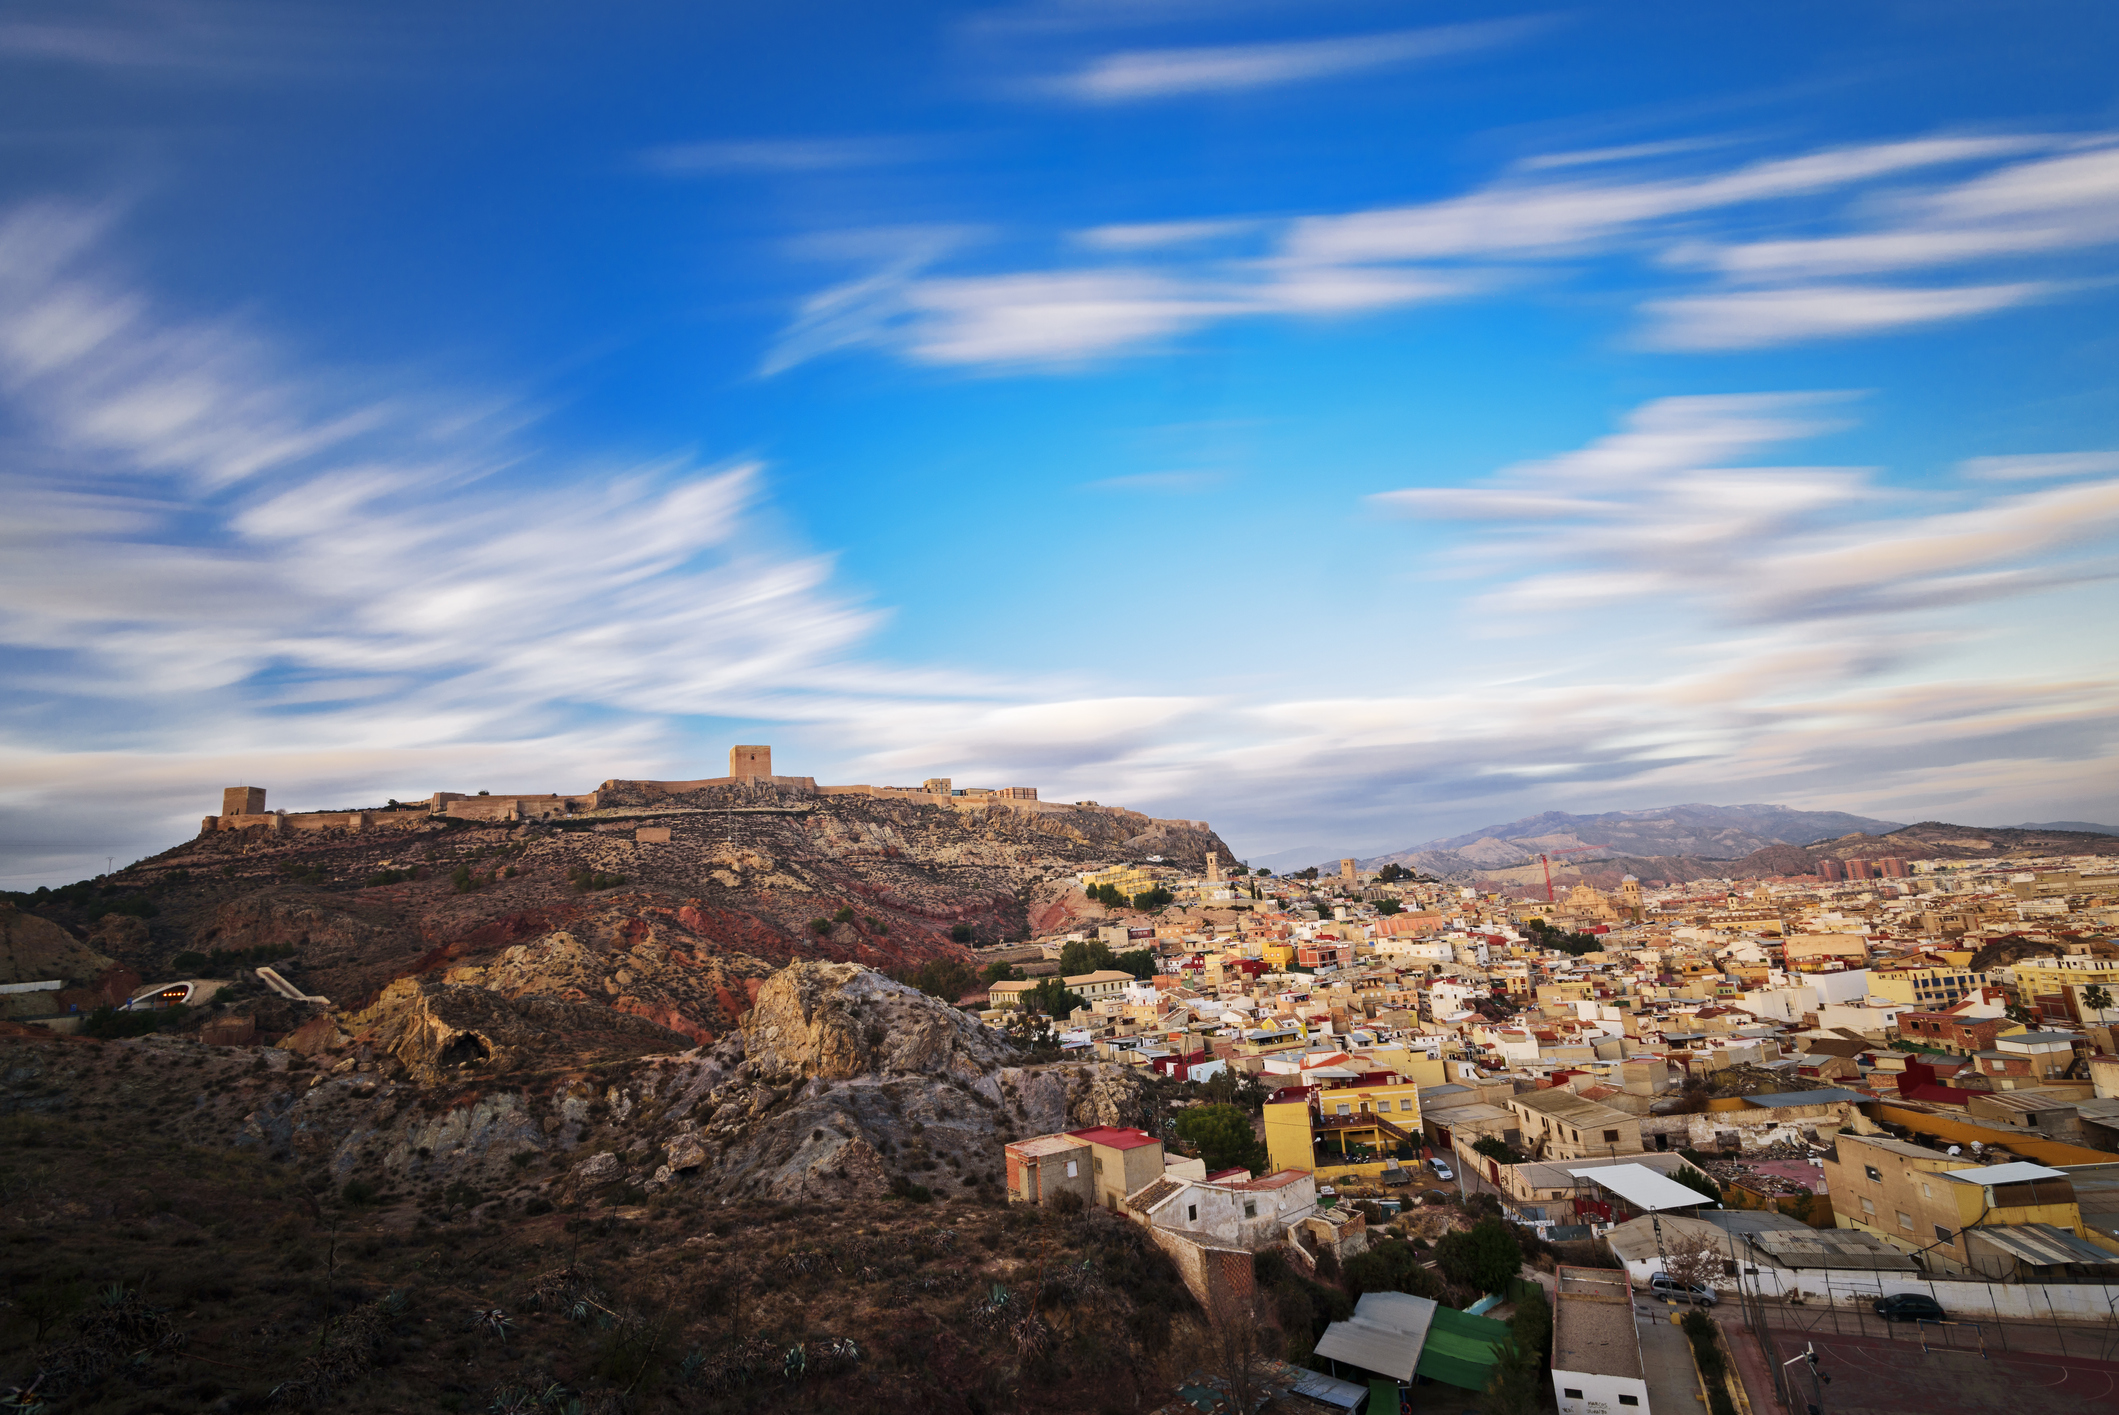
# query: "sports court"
1872 1376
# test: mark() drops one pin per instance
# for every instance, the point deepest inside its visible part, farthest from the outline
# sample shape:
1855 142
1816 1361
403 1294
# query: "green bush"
820 927
1485 1257
111 1024
960 933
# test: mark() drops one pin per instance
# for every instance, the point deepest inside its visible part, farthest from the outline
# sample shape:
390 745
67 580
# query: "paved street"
1666 1361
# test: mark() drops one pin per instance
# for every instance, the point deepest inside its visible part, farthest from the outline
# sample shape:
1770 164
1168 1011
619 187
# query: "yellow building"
2047 980
1345 1133
1279 954
1929 989
1128 880
1919 1200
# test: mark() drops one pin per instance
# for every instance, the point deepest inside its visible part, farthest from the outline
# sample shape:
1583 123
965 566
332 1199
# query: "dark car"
1909 1307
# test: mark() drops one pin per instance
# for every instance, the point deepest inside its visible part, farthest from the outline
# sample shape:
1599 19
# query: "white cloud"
1162 73
2040 466
1754 319
1656 513
2036 195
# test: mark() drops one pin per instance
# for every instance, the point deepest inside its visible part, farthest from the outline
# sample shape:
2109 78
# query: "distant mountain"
1697 831
2086 827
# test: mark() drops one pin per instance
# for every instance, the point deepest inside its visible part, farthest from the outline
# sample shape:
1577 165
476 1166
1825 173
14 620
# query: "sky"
1347 423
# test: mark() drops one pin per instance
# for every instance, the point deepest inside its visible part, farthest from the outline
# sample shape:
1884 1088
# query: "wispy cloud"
722 157
1657 513
1164 73
1175 482
2027 195
2041 466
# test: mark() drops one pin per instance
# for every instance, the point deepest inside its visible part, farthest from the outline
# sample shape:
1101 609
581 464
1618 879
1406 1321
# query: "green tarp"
1461 1349
1383 1397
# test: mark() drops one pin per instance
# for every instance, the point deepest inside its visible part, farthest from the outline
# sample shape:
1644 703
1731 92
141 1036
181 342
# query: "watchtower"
243 801
750 761
1213 868
1347 873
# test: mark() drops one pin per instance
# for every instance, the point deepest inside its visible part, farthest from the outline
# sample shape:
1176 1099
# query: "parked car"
1668 1288
1909 1307
1441 1168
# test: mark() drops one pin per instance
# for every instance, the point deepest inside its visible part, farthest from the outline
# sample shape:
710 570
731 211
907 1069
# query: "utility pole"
1817 1382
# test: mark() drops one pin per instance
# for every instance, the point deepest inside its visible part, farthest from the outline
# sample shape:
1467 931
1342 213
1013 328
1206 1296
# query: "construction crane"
1546 861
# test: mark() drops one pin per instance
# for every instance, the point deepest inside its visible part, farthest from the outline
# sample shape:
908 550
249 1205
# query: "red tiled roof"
1113 1138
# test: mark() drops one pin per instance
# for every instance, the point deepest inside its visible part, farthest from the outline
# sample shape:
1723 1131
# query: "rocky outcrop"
437 1030
641 966
833 1021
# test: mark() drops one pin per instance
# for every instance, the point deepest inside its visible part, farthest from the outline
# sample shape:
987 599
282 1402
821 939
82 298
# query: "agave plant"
492 1321
795 1364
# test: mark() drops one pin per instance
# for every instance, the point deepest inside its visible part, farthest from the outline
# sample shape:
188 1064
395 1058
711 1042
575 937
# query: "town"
1885 1091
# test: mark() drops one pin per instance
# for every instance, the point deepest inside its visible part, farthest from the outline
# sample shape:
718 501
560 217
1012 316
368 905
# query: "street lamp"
1818 1381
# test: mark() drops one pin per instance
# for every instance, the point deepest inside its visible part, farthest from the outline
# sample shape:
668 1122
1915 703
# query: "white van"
1441 1167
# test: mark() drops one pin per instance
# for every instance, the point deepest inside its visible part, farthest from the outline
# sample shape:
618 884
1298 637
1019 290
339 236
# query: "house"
1227 1213
1955 1216
1558 1124
1596 1348
1101 1165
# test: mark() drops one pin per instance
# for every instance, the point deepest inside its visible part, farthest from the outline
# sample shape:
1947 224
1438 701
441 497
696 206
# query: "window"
1868 1206
1926 1192
1942 1235
1192 1213
1874 1174
1072 1168
1611 1136
1572 1394
1099 1164
1250 1208
1905 1220
1629 1400
1345 1109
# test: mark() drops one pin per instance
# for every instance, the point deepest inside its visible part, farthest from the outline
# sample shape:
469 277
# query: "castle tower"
243 801
1213 868
1347 872
745 762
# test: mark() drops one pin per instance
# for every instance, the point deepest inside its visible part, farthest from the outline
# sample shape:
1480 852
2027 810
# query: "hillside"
677 932
1929 840
1689 832
459 1202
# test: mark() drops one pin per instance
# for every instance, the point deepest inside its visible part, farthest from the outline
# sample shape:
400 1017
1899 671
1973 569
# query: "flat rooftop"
1592 1326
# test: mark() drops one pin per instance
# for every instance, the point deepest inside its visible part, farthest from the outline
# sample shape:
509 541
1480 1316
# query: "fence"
2068 1319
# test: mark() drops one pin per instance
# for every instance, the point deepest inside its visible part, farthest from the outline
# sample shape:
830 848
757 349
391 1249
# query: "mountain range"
1696 830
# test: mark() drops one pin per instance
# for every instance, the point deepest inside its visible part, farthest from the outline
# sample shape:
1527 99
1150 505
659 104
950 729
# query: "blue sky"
1349 423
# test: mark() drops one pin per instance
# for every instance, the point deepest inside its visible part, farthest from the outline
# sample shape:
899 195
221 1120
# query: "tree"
1149 900
1223 1136
1310 873
960 933
1693 1258
1079 957
1235 1340
1695 1179
1108 895
1387 907
1140 962
1001 973
2098 999
1518 1384
944 978
1052 998
1392 1265
1485 1257
1496 1148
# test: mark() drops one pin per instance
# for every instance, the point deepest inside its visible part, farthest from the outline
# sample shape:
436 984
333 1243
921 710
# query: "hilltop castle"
749 767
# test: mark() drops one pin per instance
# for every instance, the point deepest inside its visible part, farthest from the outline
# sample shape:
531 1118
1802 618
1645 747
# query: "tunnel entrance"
466 1049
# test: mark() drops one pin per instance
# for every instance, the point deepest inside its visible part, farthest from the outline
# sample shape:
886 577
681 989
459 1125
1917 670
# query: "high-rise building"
1830 870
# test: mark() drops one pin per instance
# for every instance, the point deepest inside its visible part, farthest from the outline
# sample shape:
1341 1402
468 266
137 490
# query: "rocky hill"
1929 840
677 932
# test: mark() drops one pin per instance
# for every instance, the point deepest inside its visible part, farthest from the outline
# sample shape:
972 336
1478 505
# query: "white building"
1596 1348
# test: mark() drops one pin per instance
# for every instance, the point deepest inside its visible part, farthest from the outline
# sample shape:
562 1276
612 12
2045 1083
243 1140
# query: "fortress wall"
315 820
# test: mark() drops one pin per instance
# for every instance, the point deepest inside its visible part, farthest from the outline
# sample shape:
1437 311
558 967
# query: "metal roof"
1385 1334
1824 1097
2043 1245
1643 1188
2018 1172
1327 1390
